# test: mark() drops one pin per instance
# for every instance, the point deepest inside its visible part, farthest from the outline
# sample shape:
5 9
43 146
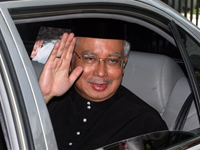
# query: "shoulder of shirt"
132 101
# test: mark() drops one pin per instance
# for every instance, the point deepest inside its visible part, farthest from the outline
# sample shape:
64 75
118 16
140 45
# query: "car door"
190 50
24 116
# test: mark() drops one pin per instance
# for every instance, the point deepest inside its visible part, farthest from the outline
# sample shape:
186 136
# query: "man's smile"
99 87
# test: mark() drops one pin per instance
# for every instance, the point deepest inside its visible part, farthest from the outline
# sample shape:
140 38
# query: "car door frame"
31 120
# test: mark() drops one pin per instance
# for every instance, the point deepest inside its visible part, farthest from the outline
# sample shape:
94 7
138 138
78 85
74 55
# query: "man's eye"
89 59
113 60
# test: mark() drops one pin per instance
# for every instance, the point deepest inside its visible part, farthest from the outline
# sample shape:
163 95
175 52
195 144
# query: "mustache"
99 80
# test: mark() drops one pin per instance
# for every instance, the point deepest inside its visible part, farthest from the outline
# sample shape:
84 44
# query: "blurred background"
188 8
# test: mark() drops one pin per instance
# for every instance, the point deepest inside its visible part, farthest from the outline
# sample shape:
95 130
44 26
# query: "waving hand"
55 79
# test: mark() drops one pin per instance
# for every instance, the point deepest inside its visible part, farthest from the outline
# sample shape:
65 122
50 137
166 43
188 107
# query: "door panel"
29 111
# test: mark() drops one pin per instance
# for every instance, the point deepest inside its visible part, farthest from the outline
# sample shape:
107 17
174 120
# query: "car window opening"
142 39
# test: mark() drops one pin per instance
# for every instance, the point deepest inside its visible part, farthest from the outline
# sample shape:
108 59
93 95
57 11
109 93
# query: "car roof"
153 5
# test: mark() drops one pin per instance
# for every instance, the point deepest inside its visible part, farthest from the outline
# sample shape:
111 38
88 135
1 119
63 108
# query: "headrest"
151 77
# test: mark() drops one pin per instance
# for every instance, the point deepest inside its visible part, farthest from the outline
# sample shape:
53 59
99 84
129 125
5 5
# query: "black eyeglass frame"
100 59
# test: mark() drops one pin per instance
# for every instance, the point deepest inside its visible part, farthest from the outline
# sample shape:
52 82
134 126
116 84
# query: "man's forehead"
93 39
89 52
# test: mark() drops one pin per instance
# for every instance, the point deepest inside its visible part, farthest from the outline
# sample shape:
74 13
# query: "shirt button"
88 107
70 144
84 120
78 133
88 103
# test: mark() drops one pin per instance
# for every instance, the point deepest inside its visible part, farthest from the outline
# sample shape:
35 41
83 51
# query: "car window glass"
193 50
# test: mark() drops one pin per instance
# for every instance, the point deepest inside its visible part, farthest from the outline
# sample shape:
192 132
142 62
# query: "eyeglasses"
110 62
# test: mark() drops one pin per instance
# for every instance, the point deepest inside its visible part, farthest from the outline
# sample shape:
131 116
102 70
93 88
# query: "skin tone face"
98 83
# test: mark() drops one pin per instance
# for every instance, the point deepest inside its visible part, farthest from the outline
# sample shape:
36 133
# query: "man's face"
98 82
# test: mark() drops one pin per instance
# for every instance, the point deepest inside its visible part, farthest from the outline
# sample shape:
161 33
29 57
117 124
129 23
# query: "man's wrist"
47 98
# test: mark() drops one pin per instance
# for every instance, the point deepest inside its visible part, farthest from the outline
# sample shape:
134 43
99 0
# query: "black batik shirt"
80 124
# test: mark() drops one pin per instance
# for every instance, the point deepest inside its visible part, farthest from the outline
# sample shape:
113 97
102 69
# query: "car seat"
160 82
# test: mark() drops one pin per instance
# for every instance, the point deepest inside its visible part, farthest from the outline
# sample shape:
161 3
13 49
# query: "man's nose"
101 69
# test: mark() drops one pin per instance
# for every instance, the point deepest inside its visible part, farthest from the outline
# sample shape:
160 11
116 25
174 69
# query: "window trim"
189 68
15 98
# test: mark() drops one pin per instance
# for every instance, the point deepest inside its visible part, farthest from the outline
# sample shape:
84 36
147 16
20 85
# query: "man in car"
89 107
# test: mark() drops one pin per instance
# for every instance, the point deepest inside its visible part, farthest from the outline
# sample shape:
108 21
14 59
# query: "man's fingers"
68 46
64 44
60 49
68 53
75 74
53 54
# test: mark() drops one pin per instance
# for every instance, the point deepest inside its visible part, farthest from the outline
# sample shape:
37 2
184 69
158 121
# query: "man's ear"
125 61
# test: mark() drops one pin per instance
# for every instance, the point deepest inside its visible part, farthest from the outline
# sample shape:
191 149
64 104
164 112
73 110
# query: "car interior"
158 80
155 70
